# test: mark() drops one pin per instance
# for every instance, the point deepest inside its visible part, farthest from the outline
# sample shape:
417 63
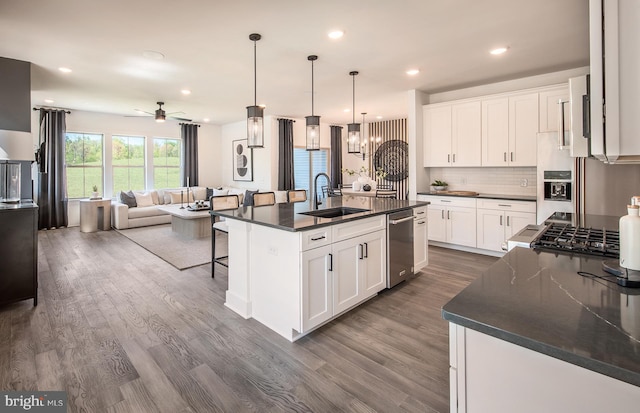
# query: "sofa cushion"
143 199
218 192
199 193
248 198
128 198
142 212
177 197
237 191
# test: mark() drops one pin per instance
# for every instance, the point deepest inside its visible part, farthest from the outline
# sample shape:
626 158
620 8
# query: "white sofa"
123 217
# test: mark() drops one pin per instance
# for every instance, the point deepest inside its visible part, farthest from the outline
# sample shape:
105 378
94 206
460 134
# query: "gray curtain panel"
285 155
52 185
189 135
336 156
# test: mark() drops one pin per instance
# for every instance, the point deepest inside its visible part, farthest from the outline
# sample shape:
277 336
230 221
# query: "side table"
95 214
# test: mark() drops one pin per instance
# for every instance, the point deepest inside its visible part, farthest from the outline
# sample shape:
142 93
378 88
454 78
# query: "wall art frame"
242 160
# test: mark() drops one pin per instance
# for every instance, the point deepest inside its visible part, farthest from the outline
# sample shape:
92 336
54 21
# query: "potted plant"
94 195
439 185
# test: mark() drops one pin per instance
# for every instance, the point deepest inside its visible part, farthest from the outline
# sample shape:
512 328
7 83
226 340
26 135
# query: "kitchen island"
294 272
540 331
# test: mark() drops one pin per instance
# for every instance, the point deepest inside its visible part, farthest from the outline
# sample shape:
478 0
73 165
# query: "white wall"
209 170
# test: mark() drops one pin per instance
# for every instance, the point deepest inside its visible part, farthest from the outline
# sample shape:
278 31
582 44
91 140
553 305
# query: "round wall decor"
393 157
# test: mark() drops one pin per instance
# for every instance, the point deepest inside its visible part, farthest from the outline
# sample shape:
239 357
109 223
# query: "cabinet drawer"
358 227
506 205
452 201
420 212
315 238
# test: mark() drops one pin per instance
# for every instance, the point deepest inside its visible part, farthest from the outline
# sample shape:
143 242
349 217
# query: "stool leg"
213 251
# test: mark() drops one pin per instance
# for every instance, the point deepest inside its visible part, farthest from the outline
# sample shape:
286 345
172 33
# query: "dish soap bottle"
630 238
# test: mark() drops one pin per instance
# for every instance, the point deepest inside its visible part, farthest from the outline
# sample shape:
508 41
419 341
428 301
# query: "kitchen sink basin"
334 212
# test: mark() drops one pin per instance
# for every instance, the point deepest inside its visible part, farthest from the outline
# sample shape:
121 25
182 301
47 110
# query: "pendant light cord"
312 90
255 75
353 111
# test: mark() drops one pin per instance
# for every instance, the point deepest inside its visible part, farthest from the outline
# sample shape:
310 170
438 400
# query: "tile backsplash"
499 181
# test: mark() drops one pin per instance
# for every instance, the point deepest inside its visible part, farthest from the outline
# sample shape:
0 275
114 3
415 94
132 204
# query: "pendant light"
313 122
353 129
255 125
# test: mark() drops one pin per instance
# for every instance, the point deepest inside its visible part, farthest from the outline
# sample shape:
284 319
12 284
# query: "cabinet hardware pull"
449 158
444 200
507 220
454 158
366 250
421 222
318 239
361 251
505 157
330 262
505 205
448 214
500 220
442 210
421 212
511 156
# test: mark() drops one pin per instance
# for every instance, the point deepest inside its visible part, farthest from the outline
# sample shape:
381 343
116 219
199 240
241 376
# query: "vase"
363 179
94 195
357 185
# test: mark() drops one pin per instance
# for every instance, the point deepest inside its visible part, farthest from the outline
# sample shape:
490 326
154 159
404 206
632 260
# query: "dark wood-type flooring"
120 330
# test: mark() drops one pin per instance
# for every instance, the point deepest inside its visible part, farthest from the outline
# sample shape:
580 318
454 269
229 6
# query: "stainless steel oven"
399 246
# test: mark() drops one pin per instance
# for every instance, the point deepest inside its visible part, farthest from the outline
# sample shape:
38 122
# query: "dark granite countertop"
530 198
24 204
538 300
288 217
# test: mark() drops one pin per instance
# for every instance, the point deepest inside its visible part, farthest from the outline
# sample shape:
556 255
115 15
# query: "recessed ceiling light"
379 117
499 50
347 110
49 101
151 54
413 72
64 69
185 91
336 34
206 120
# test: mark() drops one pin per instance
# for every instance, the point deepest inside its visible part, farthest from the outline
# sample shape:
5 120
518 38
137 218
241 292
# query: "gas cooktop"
586 241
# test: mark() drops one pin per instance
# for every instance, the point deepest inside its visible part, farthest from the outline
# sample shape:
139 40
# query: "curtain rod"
194 124
64 110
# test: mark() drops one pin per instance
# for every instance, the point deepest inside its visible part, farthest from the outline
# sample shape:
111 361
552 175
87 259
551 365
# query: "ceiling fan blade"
174 113
144 111
181 119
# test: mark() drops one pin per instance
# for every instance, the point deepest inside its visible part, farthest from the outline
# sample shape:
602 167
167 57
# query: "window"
128 163
306 165
83 163
166 163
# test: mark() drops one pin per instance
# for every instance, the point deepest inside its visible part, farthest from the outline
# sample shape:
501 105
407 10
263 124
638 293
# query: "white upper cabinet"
509 129
452 134
550 109
523 129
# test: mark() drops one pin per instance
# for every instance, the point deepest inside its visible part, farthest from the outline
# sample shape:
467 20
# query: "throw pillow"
248 198
209 192
176 197
128 198
217 192
143 199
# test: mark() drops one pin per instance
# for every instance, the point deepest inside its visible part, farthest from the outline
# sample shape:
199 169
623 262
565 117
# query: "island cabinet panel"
317 287
347 268
493 375
420 239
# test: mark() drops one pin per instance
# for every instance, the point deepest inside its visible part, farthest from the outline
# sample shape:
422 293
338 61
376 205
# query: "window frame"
101 181
310 163
144 165
179 167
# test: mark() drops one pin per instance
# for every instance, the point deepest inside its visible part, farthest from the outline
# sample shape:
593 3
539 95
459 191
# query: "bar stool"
220 203
296 195
386 191
264 198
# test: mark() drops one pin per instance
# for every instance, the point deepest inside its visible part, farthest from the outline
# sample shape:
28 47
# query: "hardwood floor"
120 330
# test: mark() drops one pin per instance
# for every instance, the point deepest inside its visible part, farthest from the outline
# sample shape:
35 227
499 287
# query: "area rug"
179 251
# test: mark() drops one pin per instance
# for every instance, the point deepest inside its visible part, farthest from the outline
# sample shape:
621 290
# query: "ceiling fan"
160 115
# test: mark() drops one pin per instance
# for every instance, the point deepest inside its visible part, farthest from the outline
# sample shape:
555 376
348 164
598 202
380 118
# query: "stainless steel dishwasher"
399 246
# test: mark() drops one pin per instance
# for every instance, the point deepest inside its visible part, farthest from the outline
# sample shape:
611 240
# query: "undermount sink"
334 212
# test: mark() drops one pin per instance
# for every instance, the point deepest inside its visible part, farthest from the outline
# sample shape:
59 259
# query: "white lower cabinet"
499 220
420 239
340 275
452 220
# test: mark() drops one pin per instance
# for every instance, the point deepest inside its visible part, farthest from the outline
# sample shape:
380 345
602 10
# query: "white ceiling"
207 50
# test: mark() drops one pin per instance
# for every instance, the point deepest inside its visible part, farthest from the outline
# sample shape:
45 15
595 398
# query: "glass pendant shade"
313 133
353 138
255 127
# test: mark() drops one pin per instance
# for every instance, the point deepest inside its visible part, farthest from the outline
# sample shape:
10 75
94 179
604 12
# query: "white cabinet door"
516 221
437 135
437 229
466 134
348 259
374 275
461 226
550 109
317 287
495 132
491 229
420 244
523 129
